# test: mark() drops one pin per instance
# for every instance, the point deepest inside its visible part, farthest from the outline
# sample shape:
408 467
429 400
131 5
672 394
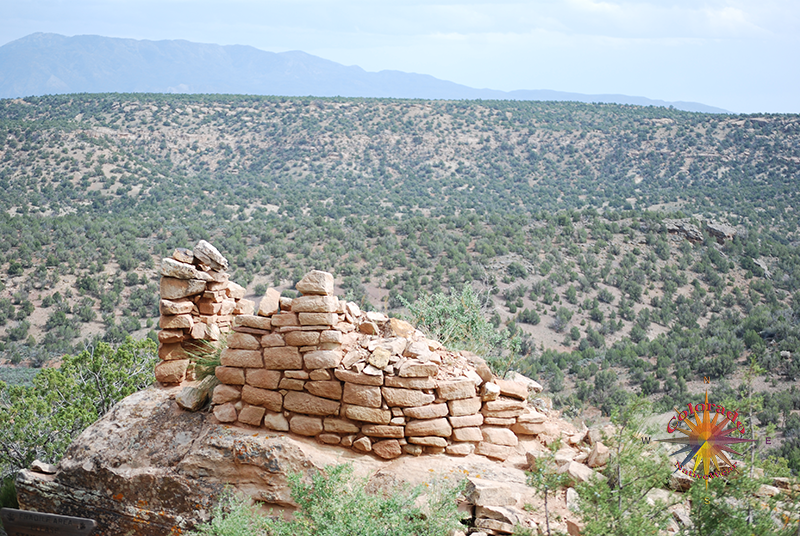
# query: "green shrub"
334 503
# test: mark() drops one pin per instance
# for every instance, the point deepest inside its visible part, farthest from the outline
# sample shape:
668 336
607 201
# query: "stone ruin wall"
317 366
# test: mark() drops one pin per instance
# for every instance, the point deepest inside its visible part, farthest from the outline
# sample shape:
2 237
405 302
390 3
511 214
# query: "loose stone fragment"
210 256
183 255
180 270
362 444
379 357
316 282
270 303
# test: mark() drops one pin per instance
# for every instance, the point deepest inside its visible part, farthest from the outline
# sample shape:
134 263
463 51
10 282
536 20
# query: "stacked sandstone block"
198 303
317 366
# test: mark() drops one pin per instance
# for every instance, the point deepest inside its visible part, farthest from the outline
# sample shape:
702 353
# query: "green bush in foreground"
334 503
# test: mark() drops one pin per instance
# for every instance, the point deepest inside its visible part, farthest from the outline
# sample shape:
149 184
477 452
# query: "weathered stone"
378 430
412 450
379 358
387 449
330 439
532 385
198 331
417 369
373 415
192 398
284 319
244 307
270 303
464 406
527 428
503 408
259 377
471 433
497 527
499 436
296 374
225 413
271 400
170 336
232 357
512 389
272 340
286 303
244 341
460 449
228 305
330 336
315 304
210 256
230 375
317 319
495 421
369 328
417 350
301 338
319 375
429 427
483 492
356 377
305 426
410 383
362 444
276 421
576 471
253 321
321 359
251 415
493 451
169 372
406 398
327 389
180 270
169 352
173 289
599 455
466 420
369 370
490 391
292 384
309 404
532 417
456 390
282 358
400 328
177 307
362 395
226 393
430 411
176 322
316 282
430 441
183 255
340 426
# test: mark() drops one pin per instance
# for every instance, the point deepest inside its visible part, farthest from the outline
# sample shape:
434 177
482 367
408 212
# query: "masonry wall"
317 366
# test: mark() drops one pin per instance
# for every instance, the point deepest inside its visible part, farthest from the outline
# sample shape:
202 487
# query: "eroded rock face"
149 468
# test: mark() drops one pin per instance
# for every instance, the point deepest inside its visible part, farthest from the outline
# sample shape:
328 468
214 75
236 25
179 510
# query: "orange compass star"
706 441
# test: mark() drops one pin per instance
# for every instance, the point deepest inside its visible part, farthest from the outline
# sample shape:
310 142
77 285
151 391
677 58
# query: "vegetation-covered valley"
558 214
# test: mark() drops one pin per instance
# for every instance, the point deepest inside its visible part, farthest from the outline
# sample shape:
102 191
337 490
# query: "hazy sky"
743 55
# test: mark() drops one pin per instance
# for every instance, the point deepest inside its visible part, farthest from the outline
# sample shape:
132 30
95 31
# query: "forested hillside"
558 213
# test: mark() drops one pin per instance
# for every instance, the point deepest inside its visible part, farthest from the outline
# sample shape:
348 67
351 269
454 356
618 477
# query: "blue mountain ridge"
46 63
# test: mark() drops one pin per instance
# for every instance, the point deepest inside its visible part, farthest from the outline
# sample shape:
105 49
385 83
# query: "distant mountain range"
45 63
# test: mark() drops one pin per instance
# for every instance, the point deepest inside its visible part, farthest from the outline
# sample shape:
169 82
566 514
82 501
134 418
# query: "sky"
740 55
